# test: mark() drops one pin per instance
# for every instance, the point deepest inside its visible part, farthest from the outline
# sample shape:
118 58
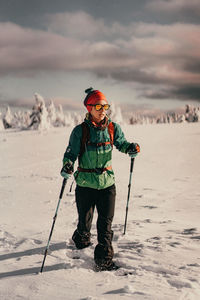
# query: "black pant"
104 201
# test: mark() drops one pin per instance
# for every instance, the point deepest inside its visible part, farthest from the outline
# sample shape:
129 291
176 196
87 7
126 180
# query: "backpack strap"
111 130
85 137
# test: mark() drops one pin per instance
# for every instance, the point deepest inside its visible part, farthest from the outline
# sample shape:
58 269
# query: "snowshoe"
105 265
81 240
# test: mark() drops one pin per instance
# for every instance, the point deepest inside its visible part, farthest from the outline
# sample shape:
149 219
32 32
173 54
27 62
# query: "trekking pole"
54 220
129 188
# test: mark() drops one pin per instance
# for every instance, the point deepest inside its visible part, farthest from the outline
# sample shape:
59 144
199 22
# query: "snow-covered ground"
159 255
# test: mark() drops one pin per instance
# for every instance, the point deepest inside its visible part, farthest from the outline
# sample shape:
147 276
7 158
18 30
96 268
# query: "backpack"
86 137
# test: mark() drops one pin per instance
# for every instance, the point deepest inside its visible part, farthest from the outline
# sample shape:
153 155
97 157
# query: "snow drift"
159 255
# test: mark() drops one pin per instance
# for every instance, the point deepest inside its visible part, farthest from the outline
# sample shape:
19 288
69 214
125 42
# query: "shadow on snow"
35 270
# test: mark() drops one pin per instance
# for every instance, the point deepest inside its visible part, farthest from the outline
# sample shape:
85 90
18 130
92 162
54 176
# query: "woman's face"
98 116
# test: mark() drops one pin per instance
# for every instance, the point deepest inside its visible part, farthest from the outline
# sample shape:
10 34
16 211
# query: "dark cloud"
155 52
28 103
192 66
155 95
183 11
28 13
188 93
72 36
31 13
131 75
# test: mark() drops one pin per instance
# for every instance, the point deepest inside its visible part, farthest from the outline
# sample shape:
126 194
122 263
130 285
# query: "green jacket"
95 157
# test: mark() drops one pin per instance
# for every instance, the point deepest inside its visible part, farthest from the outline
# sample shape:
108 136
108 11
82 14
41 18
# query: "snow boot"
81 240
105 265
103 256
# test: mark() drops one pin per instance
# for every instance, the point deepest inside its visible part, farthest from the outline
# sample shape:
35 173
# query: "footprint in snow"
138 196
192 233
174 244
131 246
128 289
189 231
197 237
160 270
7 240
79 258
149 206
148 189
179 284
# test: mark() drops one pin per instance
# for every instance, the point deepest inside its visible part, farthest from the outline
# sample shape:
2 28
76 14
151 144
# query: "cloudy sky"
144 53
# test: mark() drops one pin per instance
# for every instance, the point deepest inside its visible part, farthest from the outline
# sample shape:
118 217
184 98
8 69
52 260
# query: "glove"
133 150
67 170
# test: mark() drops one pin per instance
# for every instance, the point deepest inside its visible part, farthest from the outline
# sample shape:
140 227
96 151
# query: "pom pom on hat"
93 97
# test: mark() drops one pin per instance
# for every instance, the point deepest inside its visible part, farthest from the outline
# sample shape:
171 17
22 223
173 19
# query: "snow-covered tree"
8 119
51 113
1 122
60 117
196 114
191 113
77 118
39 115
116 114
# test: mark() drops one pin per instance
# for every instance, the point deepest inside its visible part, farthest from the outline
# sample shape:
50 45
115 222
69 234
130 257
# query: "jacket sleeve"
73 148
120 141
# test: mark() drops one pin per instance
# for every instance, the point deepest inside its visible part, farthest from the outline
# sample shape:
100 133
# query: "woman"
92 142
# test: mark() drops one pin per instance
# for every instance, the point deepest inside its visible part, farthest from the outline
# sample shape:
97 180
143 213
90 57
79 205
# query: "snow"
1 122
159 255
42 117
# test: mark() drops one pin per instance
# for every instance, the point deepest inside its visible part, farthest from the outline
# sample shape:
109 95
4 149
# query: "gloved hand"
133 150
67 170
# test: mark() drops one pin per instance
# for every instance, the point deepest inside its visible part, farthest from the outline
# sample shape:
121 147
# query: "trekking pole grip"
132 164
63 187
